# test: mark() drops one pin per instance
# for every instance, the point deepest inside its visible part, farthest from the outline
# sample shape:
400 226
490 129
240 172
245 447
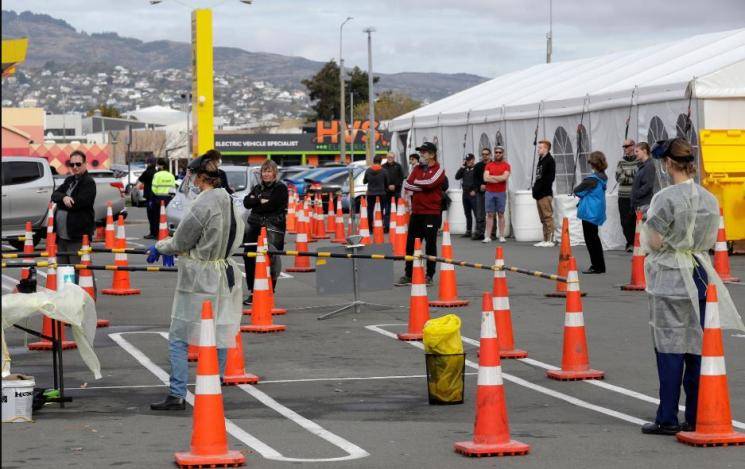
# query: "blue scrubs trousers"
675 369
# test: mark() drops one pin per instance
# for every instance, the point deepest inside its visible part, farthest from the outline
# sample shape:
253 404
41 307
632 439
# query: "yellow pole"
203 133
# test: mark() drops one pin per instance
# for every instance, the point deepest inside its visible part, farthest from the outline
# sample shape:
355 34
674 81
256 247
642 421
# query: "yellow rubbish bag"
445 360
442 335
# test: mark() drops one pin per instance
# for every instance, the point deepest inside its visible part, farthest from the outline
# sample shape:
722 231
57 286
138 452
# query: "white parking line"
519 381
353 451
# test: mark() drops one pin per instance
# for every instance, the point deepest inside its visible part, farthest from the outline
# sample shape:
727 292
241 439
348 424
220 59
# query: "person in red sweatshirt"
425 186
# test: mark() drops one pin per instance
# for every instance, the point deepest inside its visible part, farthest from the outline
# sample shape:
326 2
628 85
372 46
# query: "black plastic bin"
446 376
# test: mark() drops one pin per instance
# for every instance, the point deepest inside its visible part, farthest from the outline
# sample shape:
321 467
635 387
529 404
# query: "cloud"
485 37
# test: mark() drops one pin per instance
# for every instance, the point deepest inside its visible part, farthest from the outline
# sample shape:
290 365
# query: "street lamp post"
342 107
549 35
370 98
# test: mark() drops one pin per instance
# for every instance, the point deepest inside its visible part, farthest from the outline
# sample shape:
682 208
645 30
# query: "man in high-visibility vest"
163 183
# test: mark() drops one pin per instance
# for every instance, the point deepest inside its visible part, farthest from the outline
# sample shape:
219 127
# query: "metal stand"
353 246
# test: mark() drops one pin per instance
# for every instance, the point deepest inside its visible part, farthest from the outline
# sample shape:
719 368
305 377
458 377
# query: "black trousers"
385 207
469 209
276 241
594 246
480 215
628 219
424 227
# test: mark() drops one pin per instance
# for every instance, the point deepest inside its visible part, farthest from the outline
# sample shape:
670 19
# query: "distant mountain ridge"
55 40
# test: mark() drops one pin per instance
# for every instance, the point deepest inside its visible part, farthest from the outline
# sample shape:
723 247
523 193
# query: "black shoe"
403 281
687 427
629 248
149 236
467 234
593 270
170 403
429 281
657 429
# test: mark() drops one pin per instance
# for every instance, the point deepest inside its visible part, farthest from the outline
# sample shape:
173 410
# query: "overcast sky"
484 37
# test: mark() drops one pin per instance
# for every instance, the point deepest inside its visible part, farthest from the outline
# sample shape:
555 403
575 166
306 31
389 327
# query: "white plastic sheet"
71 305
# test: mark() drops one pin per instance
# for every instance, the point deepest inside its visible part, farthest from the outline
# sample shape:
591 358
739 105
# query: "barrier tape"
320 254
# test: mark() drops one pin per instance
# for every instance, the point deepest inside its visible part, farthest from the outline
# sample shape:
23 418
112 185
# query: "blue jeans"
179 351
674 369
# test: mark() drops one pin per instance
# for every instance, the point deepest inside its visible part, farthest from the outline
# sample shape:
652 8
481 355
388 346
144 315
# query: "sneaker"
502 240
486 240
467 234
549 244
429 281
540 244
403 281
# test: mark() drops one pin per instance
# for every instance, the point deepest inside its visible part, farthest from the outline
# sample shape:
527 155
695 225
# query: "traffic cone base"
448 304
514 353
275 312
562 375
633 287
123 292
44 345
563 294
408 336
103 323
708 439
511 448
300 269
263 329
245 378
230 458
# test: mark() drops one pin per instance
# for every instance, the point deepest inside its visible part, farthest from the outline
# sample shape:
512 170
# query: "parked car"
240 178
301 181
333 183
360 189
27 186
288 172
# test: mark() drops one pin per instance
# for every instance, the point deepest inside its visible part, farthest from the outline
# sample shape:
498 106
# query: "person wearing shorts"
496 174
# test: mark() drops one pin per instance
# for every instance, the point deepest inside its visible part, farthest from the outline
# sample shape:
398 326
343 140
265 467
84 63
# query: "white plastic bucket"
566 206
456 216
65 275
18 398
526 225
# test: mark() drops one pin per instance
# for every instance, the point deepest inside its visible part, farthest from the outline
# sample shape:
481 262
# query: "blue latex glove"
168 261
152 255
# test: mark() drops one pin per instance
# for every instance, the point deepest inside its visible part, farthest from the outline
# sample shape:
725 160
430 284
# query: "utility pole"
549 35
351 122
342 107
370 98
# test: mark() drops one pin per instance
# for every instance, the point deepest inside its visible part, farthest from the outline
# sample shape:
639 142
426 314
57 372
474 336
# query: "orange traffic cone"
491 430
418 304
109 240
564 254
501 305
50 220
378 237
302 263
401 229
192 353
28 239
235 372
714 418
638 280
47 323
575 361
392 224
331 216
209 443
721 257
320 229
162 222
275 311
261 307
85 277
309 219
448 294
339 235
99 236
364 224
291 215
120 285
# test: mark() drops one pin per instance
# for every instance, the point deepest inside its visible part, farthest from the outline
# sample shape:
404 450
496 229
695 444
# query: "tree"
323 89
390 104
106 111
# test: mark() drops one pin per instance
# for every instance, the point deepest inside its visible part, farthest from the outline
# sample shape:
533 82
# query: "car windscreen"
237 180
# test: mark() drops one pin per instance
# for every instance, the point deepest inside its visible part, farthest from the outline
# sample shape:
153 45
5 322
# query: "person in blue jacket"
591 210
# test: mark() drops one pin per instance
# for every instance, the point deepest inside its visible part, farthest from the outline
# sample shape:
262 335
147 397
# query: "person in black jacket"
465 175
268 204
75 216
545 173
478 182
376 178
643 187
146 179
395 180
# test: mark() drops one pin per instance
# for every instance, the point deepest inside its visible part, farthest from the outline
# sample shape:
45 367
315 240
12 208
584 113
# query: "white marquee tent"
652 87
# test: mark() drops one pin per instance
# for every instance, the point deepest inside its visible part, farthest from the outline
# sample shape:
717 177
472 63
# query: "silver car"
27 186
240 178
